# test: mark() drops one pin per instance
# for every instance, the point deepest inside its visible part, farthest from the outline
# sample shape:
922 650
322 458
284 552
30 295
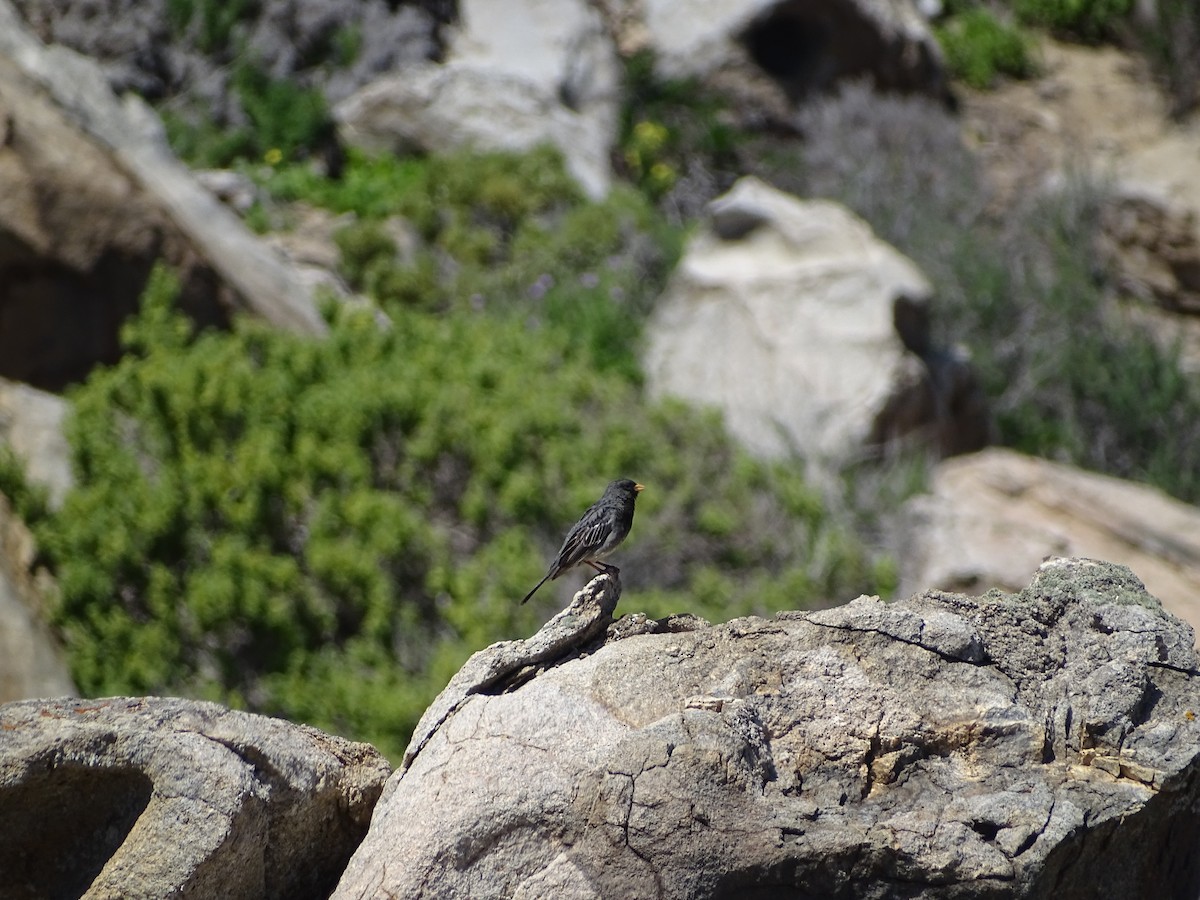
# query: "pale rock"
132 797
808 333
804 46
937 747
517 74
990 518
91 191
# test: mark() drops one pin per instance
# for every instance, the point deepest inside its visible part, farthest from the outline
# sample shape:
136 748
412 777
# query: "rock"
1154 249
990 519
90 198
145 47
32 425
1033 745
32 663
518 73
804 46
808 333
157 797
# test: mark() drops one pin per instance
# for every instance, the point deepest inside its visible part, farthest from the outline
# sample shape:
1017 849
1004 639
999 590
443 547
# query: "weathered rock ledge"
157 797
1040 744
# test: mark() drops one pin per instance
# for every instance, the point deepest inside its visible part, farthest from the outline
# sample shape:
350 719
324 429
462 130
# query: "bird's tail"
536 586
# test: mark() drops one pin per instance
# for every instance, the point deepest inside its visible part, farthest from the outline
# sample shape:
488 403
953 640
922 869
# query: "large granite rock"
90 198
809 334
152 797
518 73
1043 744
990 518
804 45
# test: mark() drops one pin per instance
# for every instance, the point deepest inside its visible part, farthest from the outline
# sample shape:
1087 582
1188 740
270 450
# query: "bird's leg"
603 567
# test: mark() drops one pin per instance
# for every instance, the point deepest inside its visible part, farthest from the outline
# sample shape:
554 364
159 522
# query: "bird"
597 533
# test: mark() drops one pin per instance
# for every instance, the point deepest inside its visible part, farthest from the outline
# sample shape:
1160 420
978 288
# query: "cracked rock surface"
1039 744
157 797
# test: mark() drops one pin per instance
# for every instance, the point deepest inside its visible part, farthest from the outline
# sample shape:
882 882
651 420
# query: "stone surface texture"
154 797
517 74
1043 744
90 198
808 333
990 518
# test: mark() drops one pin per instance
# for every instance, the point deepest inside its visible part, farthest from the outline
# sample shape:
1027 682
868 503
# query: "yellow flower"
662 173
273 157
650 135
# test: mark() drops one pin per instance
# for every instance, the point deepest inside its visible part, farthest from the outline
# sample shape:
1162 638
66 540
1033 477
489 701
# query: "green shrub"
287 122
678 140
502 231
29 501
325 530
1090 20
979 47
210 22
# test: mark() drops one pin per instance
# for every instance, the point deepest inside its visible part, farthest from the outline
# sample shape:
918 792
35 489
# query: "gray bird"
597 533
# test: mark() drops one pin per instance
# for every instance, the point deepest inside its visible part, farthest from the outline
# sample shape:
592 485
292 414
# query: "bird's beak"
639 487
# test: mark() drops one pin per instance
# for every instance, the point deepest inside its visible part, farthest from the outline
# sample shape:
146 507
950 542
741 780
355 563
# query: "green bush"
678 139
29 501
325 530
979 47
502 231
1090 20
286 122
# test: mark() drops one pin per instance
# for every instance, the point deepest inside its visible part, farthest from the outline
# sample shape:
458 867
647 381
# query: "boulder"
157 797
989 519
1043 744
804 46
808 333
90 198
32 425
172 50
32 663
1153 247
517 74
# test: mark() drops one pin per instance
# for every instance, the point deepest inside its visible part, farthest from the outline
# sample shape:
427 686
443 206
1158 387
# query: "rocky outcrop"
517 74
989 519
32 425
162 49
1154 250
804 46
32 663
1044 744
809 334
152 797
90 198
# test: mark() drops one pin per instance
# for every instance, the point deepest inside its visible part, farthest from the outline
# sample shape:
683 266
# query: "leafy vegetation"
979 48
325 530
1087 19
286 122
678 140
503 231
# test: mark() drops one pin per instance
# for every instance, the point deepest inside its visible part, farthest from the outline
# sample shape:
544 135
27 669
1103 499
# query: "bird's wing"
586 538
